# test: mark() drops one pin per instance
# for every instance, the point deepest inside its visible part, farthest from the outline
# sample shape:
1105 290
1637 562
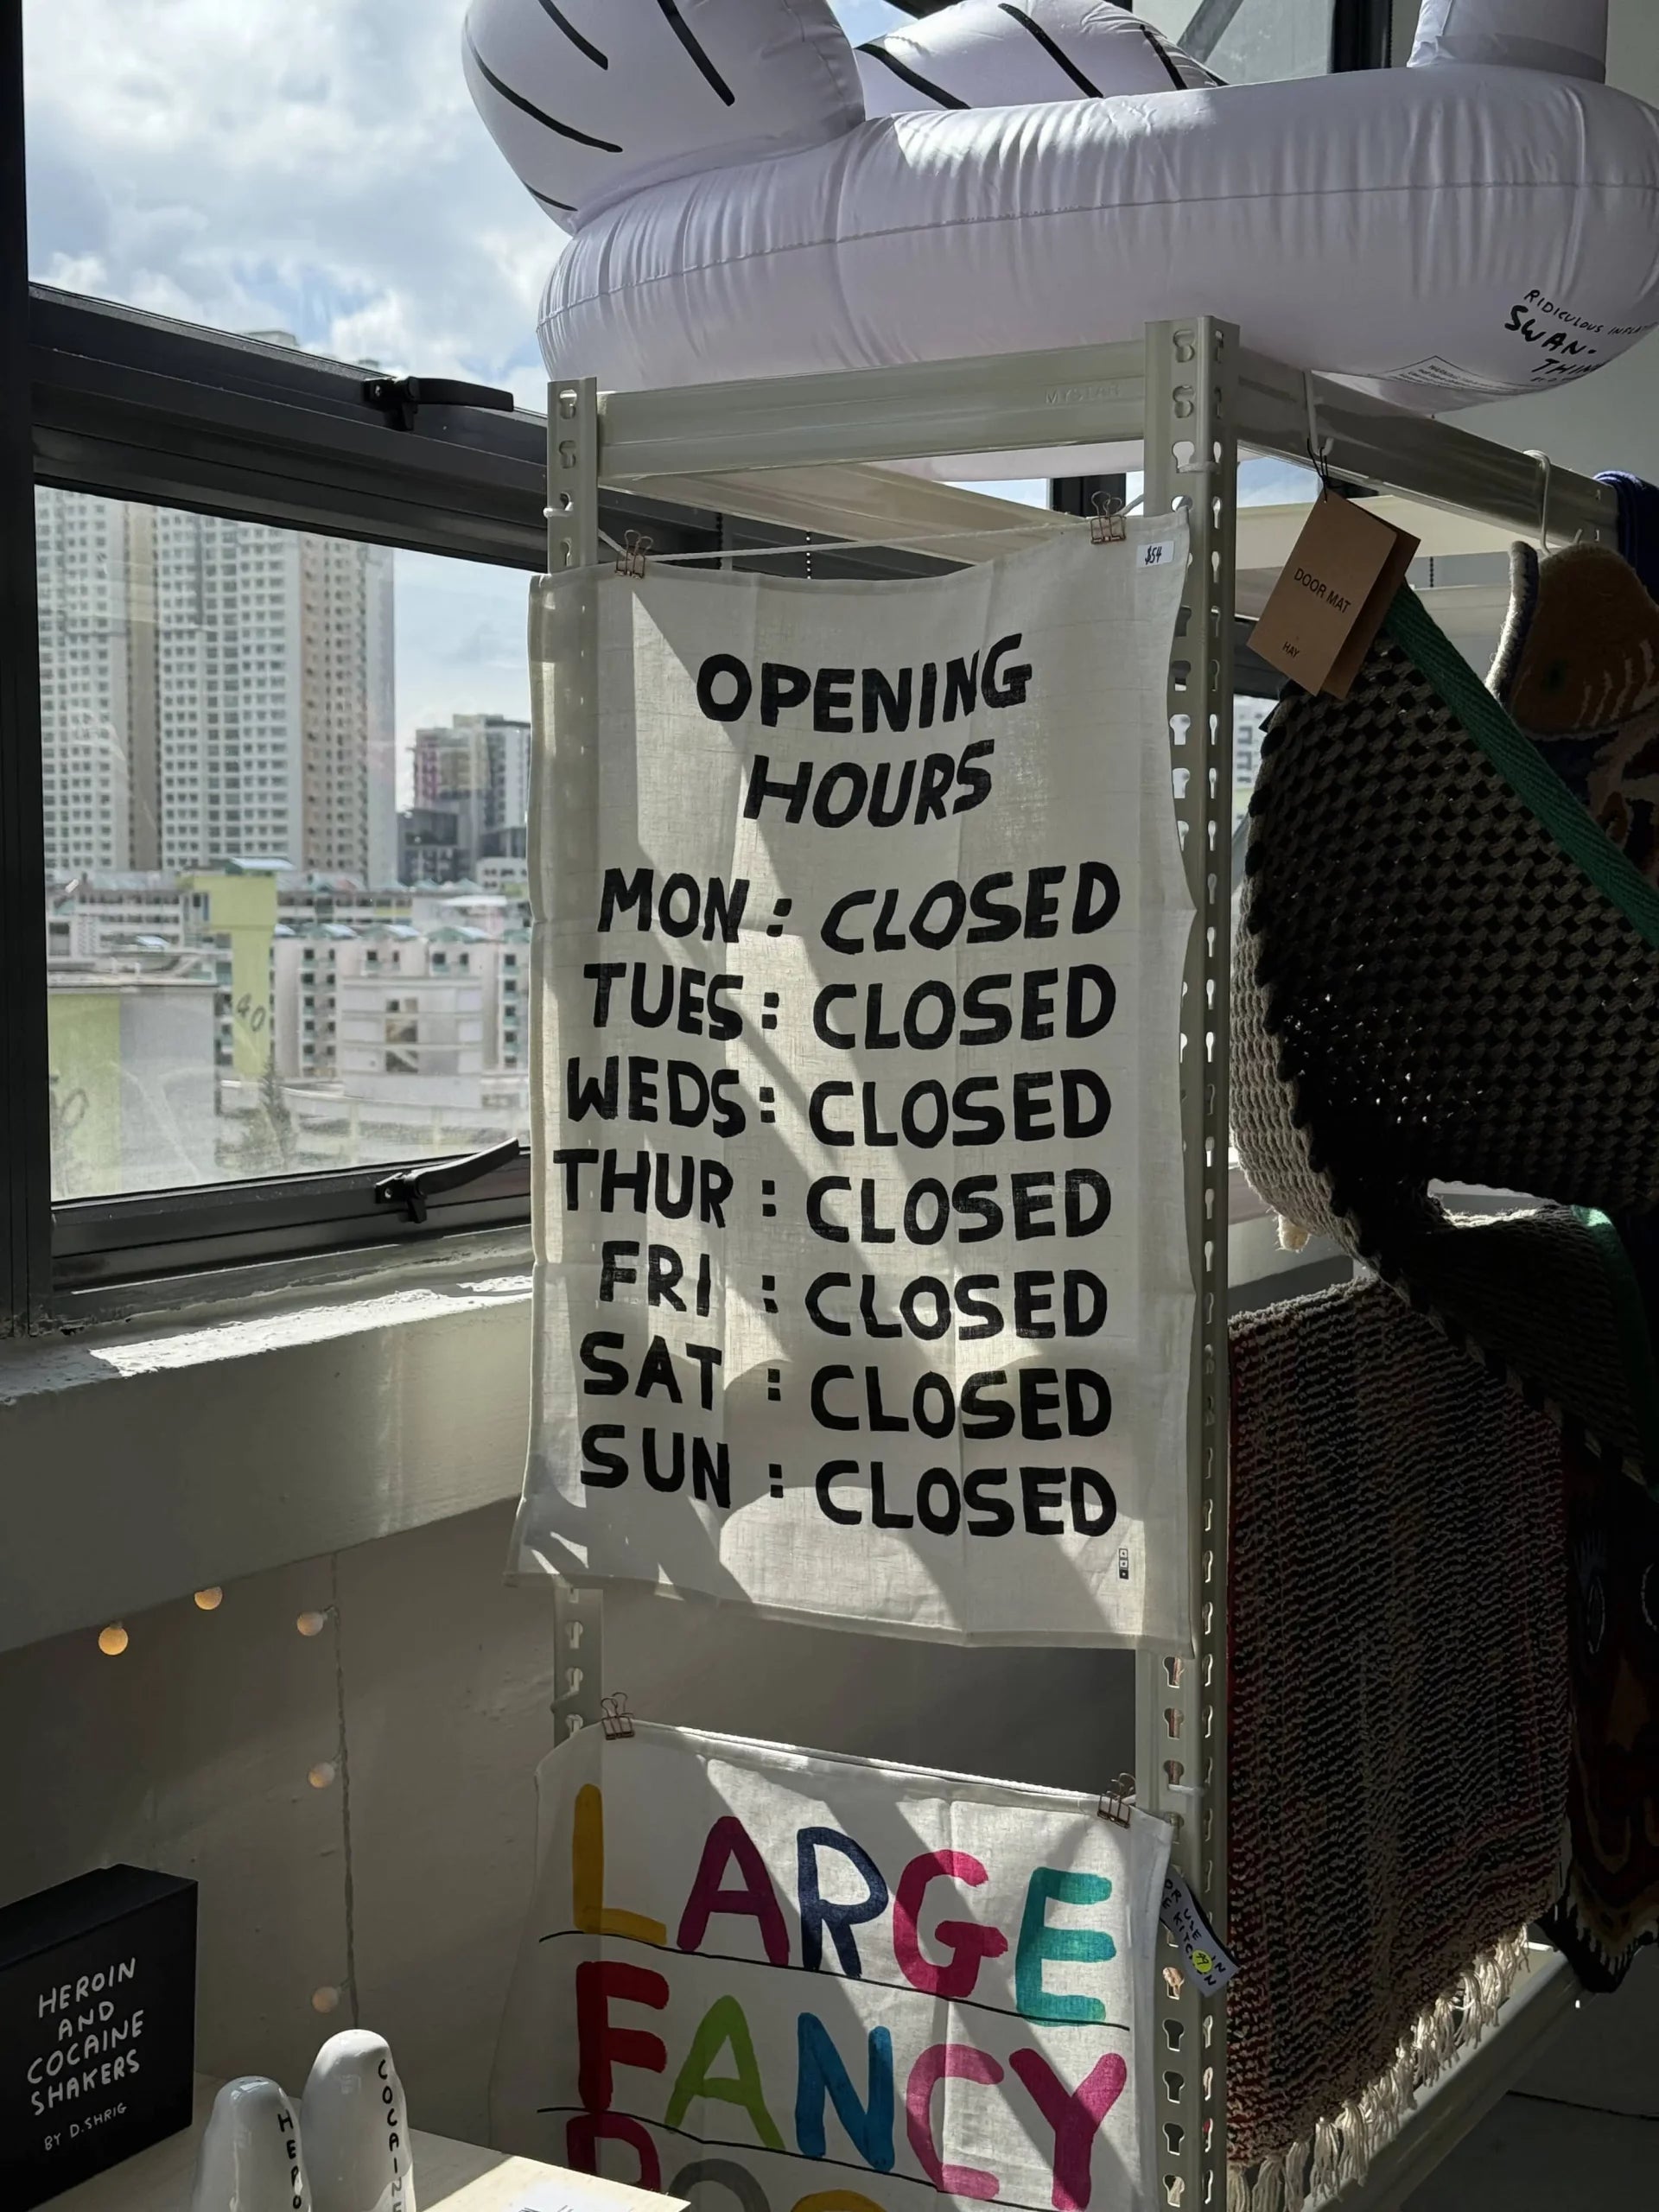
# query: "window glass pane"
287 788
1248 41
1250 717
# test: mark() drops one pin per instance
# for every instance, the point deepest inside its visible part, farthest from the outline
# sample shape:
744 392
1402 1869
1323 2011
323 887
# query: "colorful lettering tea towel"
822 1982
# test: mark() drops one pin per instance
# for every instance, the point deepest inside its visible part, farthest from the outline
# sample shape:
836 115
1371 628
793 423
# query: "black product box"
97 2027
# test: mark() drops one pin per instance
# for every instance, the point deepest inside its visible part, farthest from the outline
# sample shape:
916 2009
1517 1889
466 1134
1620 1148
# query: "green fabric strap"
1635 1338
1522 766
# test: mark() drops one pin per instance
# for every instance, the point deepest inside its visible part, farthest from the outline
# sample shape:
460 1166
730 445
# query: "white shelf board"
865 502
858 501
1077 396
1084 397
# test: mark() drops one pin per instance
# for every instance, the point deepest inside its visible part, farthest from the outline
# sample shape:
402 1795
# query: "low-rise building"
384 1025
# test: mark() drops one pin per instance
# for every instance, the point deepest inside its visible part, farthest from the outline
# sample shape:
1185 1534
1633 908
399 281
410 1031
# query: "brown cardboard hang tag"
1328 605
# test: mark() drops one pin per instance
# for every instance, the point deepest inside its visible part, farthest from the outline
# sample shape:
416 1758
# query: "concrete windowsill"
143 1460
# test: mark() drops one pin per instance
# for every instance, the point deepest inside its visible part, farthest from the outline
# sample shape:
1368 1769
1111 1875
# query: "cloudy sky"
312 166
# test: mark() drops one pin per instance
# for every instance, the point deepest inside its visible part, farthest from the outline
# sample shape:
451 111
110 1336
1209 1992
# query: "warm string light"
112 1641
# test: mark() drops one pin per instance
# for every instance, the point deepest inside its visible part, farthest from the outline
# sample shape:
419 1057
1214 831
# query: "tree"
268 1141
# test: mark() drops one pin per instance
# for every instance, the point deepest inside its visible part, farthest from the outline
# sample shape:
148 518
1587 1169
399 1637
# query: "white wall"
426 1689
144 1462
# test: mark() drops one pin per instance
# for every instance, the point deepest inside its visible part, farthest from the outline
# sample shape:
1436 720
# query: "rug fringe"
1296 2177
1322 2180
1340 2152
1269 2195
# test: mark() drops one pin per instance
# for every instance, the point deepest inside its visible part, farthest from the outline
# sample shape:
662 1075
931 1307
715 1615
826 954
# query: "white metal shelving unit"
797 450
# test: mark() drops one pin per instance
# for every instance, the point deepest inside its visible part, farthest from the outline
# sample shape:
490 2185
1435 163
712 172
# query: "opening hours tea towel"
823 1983
862 1279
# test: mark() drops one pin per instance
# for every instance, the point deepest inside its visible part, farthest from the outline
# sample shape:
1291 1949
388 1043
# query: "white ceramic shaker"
358 2152
249 2158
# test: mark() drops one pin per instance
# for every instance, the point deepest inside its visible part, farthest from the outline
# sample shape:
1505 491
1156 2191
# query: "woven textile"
1398 1729
1445 987
1447 969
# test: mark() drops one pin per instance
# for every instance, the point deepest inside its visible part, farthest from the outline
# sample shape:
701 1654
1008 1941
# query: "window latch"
412 1186
401 397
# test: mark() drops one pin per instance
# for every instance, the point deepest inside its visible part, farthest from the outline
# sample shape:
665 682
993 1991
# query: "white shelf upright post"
572 543
1192 465
572 474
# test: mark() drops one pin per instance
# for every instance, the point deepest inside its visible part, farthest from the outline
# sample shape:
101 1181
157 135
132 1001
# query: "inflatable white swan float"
746 197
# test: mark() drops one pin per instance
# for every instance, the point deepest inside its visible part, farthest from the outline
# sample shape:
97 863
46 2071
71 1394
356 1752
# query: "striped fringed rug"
1398 1762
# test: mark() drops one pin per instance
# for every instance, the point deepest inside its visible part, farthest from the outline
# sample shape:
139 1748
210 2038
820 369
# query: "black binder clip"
614 1717
631 560
1108 525
1118 1803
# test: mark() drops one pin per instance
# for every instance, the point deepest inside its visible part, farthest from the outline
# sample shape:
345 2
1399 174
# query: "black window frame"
25 1135
134 406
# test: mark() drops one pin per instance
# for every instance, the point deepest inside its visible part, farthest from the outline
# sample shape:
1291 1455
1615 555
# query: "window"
1248 41
180 1104
1244 42
193 1110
